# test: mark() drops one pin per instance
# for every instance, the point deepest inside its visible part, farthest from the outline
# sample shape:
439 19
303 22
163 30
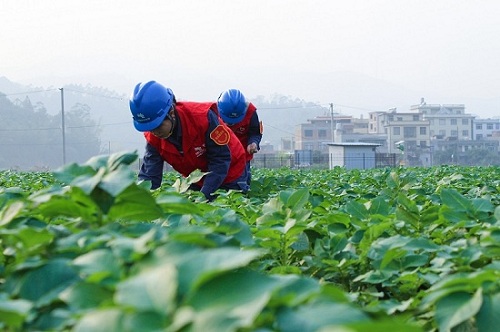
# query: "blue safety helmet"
150 103
232 106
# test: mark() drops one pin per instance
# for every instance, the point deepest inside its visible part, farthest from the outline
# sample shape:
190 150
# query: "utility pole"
332 123
63 127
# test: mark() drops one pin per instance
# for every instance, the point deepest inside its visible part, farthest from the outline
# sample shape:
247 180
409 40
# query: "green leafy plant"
89 248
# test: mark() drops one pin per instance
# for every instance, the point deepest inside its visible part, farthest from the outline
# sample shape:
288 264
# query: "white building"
408 127
313 134
446 120
352 155
485 128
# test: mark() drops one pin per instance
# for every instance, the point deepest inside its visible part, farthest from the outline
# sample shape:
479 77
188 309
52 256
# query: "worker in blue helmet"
188 136
241 116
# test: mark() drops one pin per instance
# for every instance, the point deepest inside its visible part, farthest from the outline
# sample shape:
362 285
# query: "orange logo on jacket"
220 135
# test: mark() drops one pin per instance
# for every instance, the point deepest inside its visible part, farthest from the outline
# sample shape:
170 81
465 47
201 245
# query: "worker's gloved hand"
208 195
252 148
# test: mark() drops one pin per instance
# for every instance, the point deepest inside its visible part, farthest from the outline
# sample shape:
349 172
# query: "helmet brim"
232 121
151 125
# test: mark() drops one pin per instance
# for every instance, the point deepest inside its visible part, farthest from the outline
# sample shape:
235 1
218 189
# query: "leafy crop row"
87 248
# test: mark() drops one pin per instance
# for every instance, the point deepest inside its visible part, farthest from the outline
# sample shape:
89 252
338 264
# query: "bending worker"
188 136
241 116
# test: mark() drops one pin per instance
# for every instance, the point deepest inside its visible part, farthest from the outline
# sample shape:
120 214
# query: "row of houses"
414 135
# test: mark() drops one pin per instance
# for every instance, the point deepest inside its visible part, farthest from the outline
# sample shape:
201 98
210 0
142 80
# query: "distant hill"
108 108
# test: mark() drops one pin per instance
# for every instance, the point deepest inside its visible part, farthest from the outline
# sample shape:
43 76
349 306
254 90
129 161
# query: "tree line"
32 139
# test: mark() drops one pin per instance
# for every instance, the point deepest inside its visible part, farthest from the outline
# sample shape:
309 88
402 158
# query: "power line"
30 129
26 92
289 107
95 94
45 144
66 89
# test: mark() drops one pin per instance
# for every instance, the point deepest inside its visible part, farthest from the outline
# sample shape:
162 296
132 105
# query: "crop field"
88 248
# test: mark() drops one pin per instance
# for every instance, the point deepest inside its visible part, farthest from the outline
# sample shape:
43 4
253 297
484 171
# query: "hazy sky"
445 50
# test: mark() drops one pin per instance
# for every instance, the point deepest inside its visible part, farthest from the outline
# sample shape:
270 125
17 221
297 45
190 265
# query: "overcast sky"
445 50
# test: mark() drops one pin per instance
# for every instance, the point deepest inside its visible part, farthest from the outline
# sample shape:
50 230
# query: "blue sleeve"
254 134
218 158
152 167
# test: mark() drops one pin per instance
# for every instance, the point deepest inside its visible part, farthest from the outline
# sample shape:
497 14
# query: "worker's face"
165 129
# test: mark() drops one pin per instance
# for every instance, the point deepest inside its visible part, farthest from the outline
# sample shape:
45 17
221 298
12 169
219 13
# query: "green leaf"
103 199
121 158
241 231
378 205
173 202
70 202
298 199
337 228
375 277
88 184
197 268
301 243
488 318
231 301
411 261
463 282
357 236
99 161
98 264
482 205
357 210
116 182
408 204
14 312
407 216
454 200
457 308
116 320
151 290
69 172
7 214
128 248
393 255
62 206
32 237
338 243
312 317
285 270
453 216
419 243
106 320
44 284
84 295
181 185
379 325
497 213
134 203
296 291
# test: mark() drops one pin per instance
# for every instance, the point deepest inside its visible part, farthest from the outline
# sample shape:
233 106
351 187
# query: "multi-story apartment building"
485 128
447 120
409 127
314 134
455 132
